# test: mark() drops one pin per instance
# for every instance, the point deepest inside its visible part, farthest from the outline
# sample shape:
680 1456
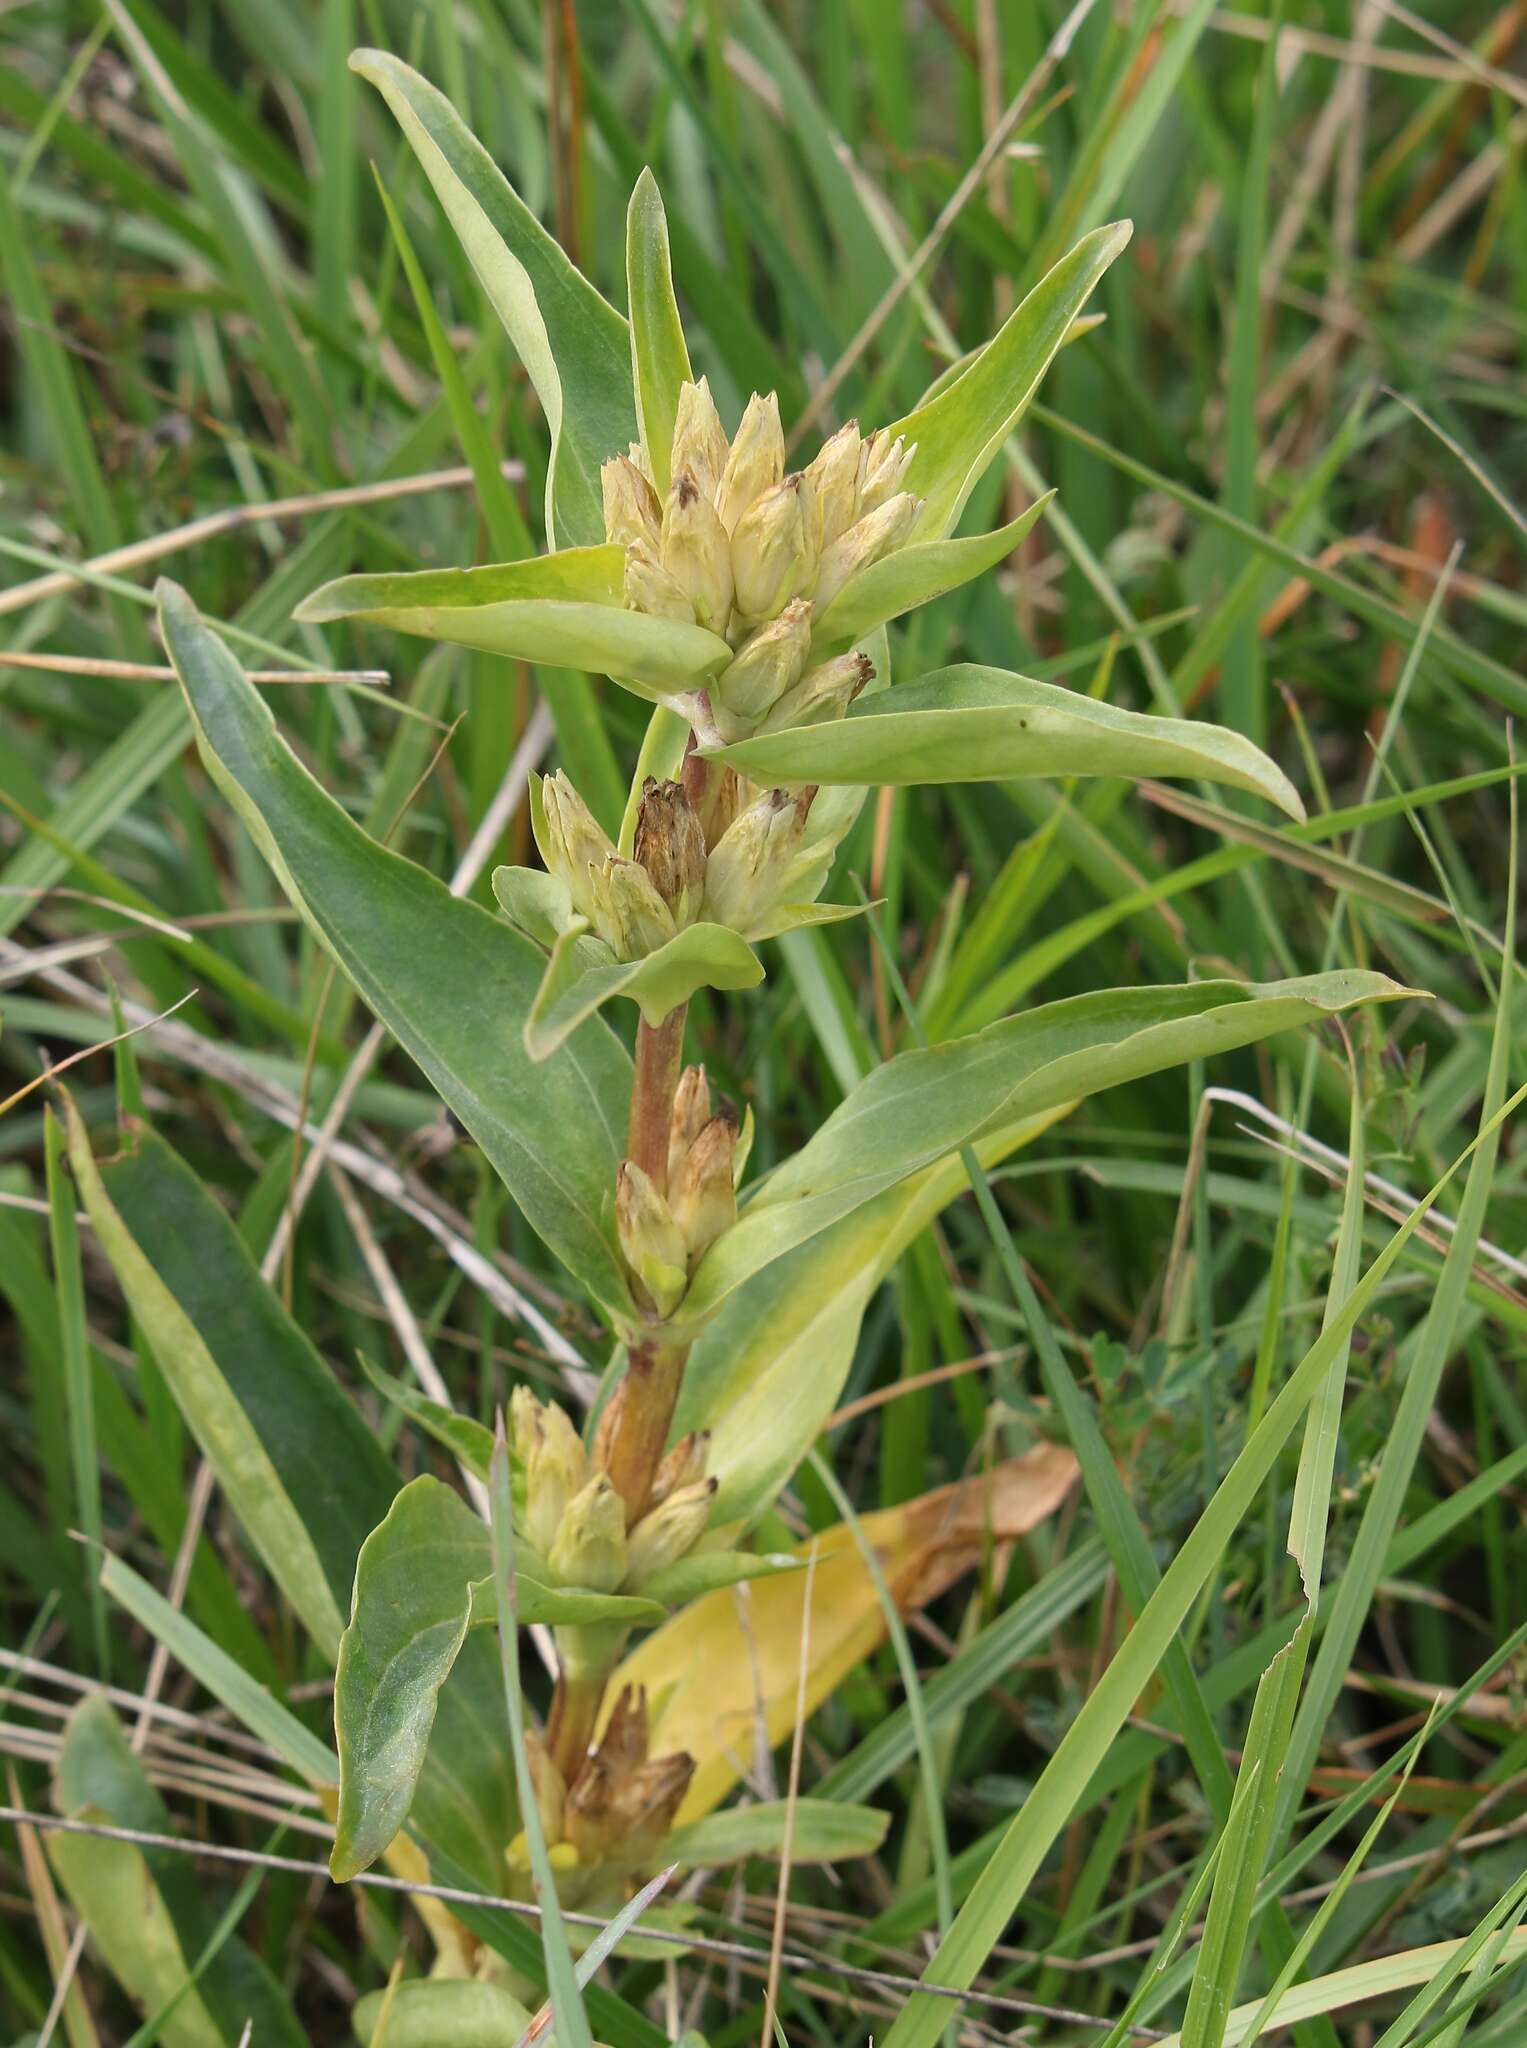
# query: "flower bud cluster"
621 1801
735 856
575 1521
635 905
664 1235
754 554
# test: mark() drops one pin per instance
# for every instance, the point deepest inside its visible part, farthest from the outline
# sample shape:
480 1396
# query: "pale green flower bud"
631 509
629 915
749 864
756 462
877 534
772 557
769 663
696 553
723 796
590 1548
571 840
823 693
669 1532
703 1195
699 439
834 475
681 1466
554 1461
886 462
671 847
650 588
651 1242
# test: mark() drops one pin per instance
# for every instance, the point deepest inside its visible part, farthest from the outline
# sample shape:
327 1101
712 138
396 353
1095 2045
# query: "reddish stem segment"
659 1055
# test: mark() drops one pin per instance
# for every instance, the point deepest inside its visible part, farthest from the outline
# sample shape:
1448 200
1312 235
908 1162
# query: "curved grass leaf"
659 359
912 576
450 981
423 1578
959 431
974 724
572 342
922 1104
583 974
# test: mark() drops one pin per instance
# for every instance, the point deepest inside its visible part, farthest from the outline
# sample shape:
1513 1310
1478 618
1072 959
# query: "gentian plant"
748 602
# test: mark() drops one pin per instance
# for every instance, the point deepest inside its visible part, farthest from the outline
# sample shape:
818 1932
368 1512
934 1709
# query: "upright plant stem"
659 1055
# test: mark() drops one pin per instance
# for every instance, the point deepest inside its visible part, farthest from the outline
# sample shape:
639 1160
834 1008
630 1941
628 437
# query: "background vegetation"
1287 464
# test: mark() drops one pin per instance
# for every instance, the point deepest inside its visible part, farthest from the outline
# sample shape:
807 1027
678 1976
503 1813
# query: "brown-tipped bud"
877 534
750 864
886 462
651 1241
699 439
697 553
769 663
702 1195
590 1548
691 1113
631 509
588 1818
834 477
772 556
823 693
682 1466
644 1804
649 587
668 1532
671 847
607 1428
553 1460
756 462
570 839
550 1789
637 456
622 1747
629 915
719 801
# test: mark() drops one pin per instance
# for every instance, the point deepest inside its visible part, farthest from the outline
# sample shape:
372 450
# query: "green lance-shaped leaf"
659 359
451 982
976 724
462 1435
912 576
960 430
424 2011
583 974
572 342
148 1910
925 1103
817 1830
564 610
424 1577
707 1571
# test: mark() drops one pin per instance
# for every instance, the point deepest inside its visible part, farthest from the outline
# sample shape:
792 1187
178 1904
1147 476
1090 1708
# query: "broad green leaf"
530 611
717 1668
959 432
659 359
769 1370
423 1578
462 1435
251 1404
451 982
423 2012
975 724
913 576
583 974
924 1103
818 1831
149 1910
572 342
